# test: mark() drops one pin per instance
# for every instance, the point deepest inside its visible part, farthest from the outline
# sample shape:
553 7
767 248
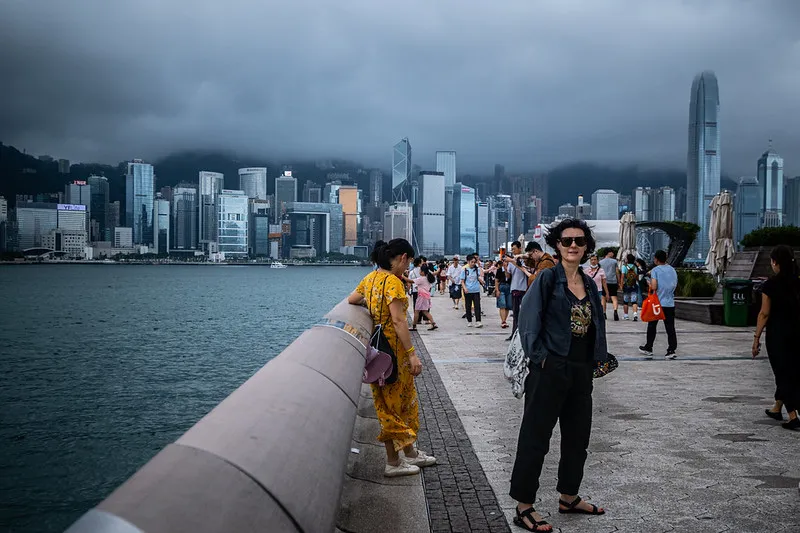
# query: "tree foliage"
788 235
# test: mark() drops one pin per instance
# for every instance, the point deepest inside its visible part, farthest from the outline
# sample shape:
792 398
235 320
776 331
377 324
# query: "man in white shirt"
519 280
454 272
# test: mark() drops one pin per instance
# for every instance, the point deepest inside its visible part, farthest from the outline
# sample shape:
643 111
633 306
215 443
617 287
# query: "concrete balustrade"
270 457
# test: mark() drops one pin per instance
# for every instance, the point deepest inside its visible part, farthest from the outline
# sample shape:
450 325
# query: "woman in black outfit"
780 315
563 334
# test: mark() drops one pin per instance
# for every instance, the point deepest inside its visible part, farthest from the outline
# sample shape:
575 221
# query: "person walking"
598 275
519 281
630 287
780 317
442 275
563 334
422 307
663 281
644 279
384 295
472 280
489 270
454 272
611 268
502 291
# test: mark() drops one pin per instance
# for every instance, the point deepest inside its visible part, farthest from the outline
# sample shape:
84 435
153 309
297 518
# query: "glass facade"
184 218
464 218
34 222
703 161
770 176
401 163
260 235
792 202
161 231
232 223
285 192
99 208
483 229
432 227
319 225
253 181
446 162
375 188
747 207
139 198
605 204
210 186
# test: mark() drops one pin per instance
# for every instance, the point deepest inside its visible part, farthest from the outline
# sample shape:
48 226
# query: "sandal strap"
572 505
527 513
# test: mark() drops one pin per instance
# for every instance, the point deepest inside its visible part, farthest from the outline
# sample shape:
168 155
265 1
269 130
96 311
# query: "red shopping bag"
651 308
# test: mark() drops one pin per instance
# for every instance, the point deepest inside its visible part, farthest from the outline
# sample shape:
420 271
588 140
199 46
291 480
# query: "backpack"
631 276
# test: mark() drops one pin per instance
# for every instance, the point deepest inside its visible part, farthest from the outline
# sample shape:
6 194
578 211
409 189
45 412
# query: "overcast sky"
528 83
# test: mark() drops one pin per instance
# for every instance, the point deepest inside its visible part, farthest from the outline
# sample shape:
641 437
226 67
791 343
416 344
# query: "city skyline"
615 103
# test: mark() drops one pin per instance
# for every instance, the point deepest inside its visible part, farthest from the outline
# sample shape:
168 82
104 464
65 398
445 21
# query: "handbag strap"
383 290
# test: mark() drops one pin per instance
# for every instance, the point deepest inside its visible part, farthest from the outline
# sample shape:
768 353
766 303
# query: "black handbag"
606 367
378 339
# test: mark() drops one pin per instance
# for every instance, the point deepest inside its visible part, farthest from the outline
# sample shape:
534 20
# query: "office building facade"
140 184
605 204
703 160
161 231
446 163
770 176
398 222
210 185
316 225
285 192
464 218
184 217
747 207
401 167
99 208
253 181
431 235
232 217
482 228
792 202
349 199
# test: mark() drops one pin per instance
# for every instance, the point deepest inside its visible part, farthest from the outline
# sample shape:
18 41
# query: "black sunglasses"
566 242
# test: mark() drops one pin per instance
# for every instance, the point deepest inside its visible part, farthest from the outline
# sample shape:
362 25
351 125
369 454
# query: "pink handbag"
378 366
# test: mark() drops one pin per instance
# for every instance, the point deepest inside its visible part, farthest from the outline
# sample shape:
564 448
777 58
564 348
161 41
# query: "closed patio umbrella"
627 235
720 234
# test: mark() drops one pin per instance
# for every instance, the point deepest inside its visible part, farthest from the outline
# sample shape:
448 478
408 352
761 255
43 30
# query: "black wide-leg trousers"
561 391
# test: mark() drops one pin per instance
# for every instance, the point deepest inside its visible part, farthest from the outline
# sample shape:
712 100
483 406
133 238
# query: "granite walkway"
678 445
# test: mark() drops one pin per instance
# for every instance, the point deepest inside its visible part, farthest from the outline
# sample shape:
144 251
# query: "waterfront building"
747 207
770 177
3 209
330 194
123 237
210 185
285 191
583 210
482 228
161 231
71 243
605 204
114 212
139 197
703 160
375 188
79 192
253 181
431 235
501 221
184 217
398 222
566 210
401 168
464 218
259 235
232 223
35 221
446 163
350 200
318 225
792 202
98 209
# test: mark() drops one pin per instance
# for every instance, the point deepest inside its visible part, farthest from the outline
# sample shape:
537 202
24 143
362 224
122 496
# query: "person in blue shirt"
663 281
471 281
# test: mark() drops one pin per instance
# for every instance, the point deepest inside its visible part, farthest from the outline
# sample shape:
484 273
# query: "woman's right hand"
497 293
415 364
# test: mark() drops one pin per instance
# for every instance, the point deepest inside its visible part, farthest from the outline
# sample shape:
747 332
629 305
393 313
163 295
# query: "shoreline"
175 263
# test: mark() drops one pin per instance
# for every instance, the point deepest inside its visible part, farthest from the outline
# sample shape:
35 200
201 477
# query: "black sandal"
772 414
528 513
571 507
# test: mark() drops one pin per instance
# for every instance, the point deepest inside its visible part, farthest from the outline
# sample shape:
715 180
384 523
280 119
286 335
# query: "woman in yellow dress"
383 293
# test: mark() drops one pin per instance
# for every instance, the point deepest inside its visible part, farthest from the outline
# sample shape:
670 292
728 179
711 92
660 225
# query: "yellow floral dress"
396 404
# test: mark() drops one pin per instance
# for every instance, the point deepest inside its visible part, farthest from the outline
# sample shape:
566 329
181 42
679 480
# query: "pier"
679 445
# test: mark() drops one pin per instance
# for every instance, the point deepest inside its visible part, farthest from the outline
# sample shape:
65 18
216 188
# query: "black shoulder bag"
378 339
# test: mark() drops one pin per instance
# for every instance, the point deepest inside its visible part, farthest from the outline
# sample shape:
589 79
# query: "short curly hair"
554 235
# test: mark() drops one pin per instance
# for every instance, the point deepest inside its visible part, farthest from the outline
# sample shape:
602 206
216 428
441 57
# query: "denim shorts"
630 295
504 298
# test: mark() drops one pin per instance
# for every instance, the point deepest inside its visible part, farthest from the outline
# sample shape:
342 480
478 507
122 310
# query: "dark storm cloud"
529 83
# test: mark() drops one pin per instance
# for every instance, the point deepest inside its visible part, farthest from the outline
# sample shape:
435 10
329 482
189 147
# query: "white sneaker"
479 325
421 460
469 324
403 469
625 317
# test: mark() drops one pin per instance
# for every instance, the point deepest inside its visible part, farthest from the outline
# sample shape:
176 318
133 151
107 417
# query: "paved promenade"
677 445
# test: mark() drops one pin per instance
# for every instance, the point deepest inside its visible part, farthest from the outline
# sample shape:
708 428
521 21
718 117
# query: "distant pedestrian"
598 275
519 280
413 274
441 273
664 281
472 280
422 307
610 267
644 279
563 334
780 316
454 272
541 260
502 291
488 276
630 287
384 295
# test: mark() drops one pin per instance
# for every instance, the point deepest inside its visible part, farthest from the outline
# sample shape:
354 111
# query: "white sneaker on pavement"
403 469
479 325
421 460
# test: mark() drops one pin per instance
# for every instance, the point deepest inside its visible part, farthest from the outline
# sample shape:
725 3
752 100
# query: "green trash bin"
738 295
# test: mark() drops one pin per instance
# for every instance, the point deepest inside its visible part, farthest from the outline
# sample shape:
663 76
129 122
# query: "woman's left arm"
356 298
763 316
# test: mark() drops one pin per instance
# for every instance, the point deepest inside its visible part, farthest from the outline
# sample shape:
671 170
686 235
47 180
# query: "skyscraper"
140 185
770 176
349 200
464 218
446 162
482 227
375 188
210 187
401 167
398 223
79 192
99 209
161 230
253 181
703 160
792 214
184 217
431 234
285 191
605 204
746 207
232 223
